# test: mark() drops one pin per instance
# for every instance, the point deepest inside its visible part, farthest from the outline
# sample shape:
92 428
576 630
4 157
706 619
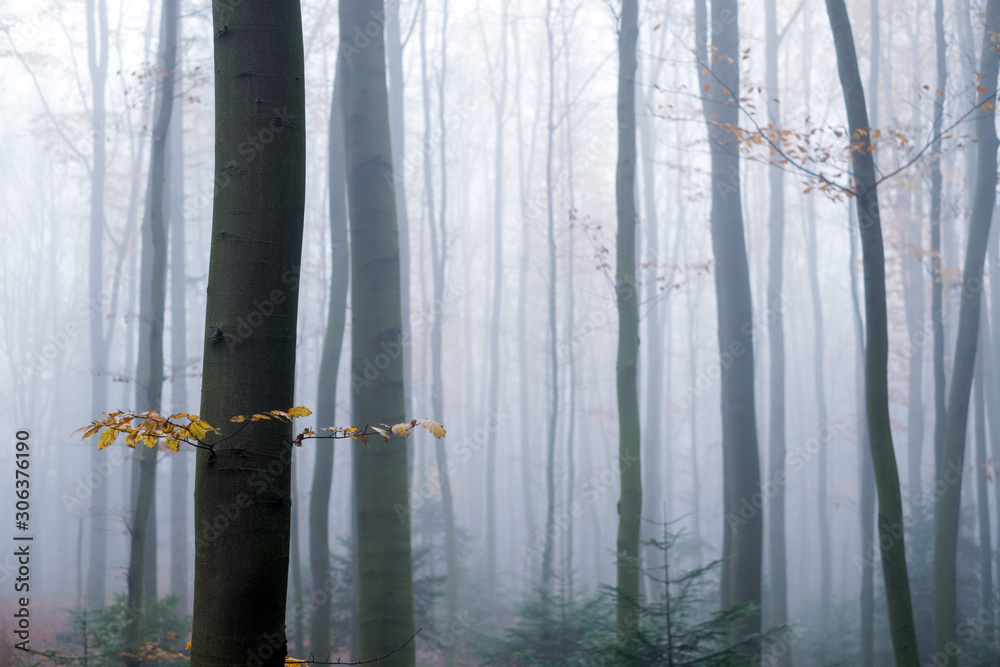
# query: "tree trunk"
630 504
776 342
295 561
180 503
385 566
866 476
553 412
500 104
397 127
152 305
242 487
981 470
890 506
946 514
741 466
937 275
97 61
326 398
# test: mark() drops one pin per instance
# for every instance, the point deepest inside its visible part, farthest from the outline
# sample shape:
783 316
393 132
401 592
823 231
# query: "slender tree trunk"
946 514
152 306
890 507
97 61
242 487
982 492
180 504
385 566
741 467
776 341
653 442
866 473
295 561
822 493
397 126
553 415
326 399
937 275
439 256
630 504
500 104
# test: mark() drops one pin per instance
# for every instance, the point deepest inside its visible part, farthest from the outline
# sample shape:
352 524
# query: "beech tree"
242 486
950 472
630 504
890 504
385 566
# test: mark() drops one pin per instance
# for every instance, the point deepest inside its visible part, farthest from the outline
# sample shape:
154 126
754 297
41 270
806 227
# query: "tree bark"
741 466
385 566
152 306
500 104
776 342
326 399
630 503
180 504
950 473
97 61
937 275
242 487
890 507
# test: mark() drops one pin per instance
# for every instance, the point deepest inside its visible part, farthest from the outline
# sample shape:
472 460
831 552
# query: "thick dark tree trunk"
242 487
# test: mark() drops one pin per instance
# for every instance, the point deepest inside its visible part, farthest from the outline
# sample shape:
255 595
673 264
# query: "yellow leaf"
173 445
188 647
294 661
180 415
299 412
238 419
149 441
90 431
199 428
107 439
708 87
133 436
257 418
436 429
940 93
980 89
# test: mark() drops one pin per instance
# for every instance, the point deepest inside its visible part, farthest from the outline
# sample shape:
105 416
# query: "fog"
515 301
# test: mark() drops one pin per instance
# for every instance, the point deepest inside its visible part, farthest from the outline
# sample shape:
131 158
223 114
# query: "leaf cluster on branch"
150 427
